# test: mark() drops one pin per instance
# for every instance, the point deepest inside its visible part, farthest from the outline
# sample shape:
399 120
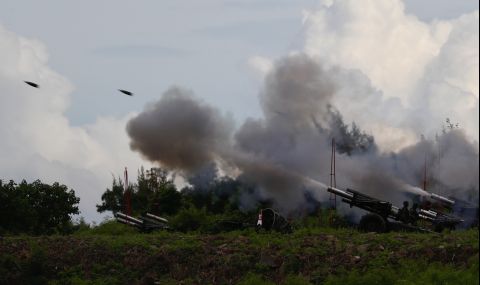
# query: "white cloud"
37 140
378 38
260 65
421 72
450 82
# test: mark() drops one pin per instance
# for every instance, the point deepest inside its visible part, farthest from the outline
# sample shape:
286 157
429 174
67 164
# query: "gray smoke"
452 165
287 152
179 131
203 178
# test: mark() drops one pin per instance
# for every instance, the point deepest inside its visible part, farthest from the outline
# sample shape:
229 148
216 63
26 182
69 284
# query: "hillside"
308 256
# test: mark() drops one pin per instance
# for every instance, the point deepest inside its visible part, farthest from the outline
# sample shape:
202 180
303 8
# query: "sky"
72 129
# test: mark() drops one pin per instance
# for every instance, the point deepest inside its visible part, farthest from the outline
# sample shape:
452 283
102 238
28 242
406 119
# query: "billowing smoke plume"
179 131
286 152
452 165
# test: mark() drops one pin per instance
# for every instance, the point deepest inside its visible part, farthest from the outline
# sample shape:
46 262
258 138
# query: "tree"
113 199
36 208
450 126
348 139
154 192
164 197
167 201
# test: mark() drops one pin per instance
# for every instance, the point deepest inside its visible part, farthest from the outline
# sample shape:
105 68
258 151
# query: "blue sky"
147 46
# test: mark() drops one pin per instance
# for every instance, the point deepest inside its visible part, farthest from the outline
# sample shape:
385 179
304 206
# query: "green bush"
34 270
254 279
190 219
411 272
323 218
36 208
79 226
8 266
296 280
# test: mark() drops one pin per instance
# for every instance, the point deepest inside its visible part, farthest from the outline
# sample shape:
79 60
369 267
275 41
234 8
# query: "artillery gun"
269 219
145 223
383 216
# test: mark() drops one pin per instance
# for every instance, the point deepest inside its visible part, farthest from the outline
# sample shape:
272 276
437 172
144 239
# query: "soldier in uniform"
414 214
404 214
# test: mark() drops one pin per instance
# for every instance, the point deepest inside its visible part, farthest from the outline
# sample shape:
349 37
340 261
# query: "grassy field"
116 254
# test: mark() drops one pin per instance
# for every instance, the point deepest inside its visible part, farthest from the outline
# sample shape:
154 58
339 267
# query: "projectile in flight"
126 92
33 84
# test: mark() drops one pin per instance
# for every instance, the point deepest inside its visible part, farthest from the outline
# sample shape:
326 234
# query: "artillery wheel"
373 223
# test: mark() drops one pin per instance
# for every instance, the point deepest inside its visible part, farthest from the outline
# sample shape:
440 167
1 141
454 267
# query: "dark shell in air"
33 84
126 92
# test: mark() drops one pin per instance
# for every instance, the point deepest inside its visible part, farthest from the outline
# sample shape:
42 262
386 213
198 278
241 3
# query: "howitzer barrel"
395 210
439 218
425 217
365 202
428 213
157 218
127 222
442 199
340 193
129 218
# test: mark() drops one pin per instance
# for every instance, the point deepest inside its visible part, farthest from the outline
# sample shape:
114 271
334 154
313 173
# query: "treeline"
210 203
198 207
36 208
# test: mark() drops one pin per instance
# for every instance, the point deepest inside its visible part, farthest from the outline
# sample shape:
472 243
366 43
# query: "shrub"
189 219
296 280
254 279
36 208
410 272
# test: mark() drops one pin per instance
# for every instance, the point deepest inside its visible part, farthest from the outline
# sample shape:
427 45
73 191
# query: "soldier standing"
404 214
414 214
